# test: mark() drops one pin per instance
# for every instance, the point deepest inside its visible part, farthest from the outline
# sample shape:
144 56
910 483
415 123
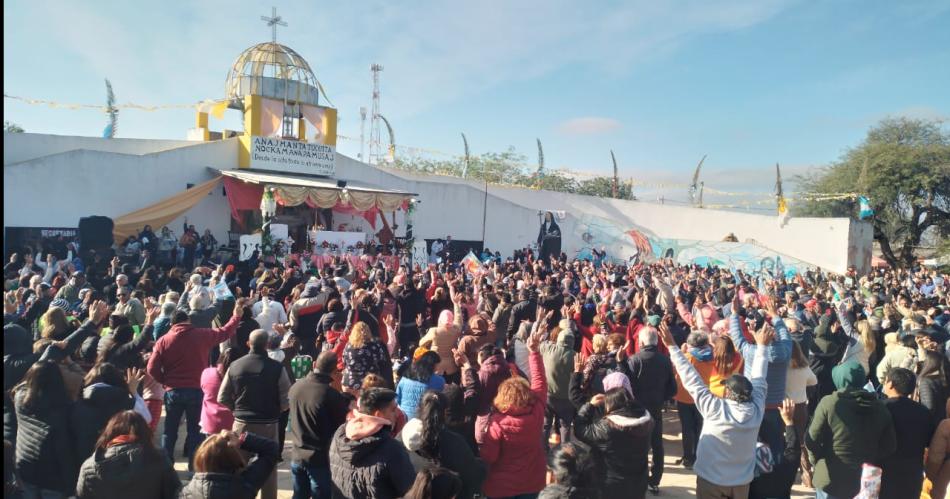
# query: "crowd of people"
527 378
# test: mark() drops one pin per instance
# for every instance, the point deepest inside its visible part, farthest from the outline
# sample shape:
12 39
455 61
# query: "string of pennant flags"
217 108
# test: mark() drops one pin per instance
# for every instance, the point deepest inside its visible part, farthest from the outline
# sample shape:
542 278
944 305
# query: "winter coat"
18 357
45 452
367 462
850 427
443 339
453 454
243 485
512 444
559 364
938 460
914 428
372 358
651 377
483 386
409 392
127 470
623 440
933 395
98 403
316 411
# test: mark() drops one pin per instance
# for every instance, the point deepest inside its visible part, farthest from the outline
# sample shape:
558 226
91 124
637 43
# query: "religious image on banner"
471 264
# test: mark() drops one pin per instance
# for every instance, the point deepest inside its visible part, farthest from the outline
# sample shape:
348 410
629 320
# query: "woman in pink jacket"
214 416
512 444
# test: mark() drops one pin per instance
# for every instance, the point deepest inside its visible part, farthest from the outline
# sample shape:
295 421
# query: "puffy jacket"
933 395
243 485
127 470
623 440
18 357
45 455
850 427
512 444
409 392
98 403
369 466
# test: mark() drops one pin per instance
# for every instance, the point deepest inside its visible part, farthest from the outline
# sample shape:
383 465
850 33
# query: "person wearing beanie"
619 428
850 427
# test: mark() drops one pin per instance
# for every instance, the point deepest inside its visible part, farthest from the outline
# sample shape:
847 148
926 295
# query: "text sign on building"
271 153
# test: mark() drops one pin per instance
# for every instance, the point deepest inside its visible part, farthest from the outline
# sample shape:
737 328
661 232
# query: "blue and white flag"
865 208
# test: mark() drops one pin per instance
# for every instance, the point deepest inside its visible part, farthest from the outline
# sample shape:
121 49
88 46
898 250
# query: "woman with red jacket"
516 468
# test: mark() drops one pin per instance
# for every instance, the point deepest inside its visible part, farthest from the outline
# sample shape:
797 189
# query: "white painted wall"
25 146
57 190
54 180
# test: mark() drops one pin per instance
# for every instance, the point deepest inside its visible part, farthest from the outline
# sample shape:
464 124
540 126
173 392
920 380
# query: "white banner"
271 153
249 243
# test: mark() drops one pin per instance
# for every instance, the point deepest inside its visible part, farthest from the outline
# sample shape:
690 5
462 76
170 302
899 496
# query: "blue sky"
661 83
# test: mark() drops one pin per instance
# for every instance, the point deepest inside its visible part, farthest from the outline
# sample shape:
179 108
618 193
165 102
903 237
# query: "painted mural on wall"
634 243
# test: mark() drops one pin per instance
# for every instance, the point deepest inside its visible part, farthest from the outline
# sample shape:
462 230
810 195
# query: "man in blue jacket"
778 354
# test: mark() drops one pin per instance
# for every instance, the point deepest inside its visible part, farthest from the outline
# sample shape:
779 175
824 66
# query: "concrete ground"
677 482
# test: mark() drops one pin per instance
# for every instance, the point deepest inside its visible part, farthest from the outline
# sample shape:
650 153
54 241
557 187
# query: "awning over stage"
245 187
294 189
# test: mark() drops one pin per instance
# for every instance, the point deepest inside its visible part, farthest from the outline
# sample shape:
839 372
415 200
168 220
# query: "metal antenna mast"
374 142
362 156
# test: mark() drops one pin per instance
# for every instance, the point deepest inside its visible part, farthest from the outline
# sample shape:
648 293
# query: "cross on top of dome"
273 21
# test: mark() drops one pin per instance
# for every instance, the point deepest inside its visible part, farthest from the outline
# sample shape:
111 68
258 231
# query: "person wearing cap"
850 427
725 458
619 427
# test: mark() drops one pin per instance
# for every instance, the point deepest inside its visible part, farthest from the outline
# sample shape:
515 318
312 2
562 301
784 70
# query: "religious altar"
324 240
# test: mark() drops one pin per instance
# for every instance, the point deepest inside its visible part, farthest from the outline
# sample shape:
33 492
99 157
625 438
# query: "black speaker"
95 232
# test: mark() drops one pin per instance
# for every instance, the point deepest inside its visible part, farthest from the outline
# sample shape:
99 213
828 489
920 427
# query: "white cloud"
590 125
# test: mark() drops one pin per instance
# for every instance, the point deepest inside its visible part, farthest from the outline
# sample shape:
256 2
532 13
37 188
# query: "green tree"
10 127
903 167
604 187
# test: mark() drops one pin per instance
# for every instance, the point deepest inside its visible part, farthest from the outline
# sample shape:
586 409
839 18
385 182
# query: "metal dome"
275 71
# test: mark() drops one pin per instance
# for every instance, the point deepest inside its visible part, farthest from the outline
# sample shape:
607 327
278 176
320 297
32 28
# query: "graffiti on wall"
636 244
